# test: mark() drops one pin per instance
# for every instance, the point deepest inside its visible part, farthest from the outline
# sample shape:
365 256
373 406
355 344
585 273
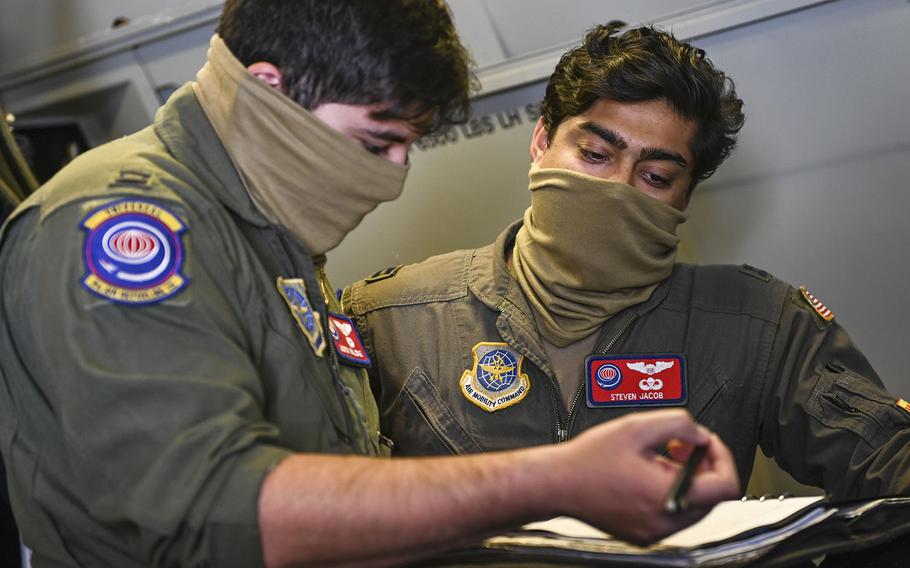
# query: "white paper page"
731 518
727 519
567 527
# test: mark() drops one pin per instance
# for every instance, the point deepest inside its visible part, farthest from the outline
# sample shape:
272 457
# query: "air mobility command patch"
346 338
635 380
821 309
293 290
133 253
495 381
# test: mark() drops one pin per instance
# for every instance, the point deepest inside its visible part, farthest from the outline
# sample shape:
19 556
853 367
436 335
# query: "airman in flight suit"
579 314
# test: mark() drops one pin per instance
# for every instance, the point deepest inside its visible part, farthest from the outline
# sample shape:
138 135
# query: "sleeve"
153 412
827 419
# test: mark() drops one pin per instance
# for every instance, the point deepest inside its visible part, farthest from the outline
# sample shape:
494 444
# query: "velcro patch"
635 380
133 253
383 274
346 338
496 380
821 309
294 292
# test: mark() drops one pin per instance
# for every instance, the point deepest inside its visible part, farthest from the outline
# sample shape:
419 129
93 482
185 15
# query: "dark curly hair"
646 64
403 52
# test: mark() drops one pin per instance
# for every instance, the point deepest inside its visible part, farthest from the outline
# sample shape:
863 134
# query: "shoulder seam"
360 306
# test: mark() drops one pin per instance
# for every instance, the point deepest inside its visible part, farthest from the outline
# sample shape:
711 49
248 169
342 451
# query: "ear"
540 141
267 73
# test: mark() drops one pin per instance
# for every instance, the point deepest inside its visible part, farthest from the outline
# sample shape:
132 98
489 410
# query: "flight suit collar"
491 281
489 277
187 133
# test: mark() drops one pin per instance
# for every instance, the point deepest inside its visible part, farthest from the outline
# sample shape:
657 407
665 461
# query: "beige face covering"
588 249
299 172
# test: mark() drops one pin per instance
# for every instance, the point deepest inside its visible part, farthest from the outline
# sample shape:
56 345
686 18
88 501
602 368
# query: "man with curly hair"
579 315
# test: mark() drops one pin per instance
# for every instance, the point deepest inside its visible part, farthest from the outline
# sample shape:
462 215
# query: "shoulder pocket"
843 399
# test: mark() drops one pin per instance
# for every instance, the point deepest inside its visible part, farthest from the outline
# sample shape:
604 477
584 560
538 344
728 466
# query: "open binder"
772 532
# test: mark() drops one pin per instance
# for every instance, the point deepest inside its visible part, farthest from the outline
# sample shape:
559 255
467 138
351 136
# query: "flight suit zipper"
333 365
849 408
562 434
345 390
555 392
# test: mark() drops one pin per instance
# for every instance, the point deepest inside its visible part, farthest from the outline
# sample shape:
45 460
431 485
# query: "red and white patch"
817 305
347 341
635 380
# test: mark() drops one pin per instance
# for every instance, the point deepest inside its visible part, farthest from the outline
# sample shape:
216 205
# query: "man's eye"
591 156
374 149
655 180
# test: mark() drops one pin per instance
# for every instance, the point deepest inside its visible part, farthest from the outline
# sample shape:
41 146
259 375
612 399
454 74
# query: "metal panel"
175 60
107 98
66 33
687 21
477 32
530 27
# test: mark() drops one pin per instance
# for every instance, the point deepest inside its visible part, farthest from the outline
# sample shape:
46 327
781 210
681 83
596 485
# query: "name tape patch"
495 381
635 380
133 253
346 338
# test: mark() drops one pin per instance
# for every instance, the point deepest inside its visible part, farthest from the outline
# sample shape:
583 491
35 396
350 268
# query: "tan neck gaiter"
299 172
588 249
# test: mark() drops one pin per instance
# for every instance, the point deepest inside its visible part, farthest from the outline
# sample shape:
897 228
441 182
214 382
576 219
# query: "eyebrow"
659 154
385 135
610 136
614 138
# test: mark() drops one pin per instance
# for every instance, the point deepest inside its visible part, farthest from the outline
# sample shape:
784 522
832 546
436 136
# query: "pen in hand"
676 500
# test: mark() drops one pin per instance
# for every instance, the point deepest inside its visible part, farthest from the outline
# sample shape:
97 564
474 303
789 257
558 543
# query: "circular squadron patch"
133 253
608 377
495 381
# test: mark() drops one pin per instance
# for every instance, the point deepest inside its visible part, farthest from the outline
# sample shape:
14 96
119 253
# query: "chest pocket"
707 396
419 420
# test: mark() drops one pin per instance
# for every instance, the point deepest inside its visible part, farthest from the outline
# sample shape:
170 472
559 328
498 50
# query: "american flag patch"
820 308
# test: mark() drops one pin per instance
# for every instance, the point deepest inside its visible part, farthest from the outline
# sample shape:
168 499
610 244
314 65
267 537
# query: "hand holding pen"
621 476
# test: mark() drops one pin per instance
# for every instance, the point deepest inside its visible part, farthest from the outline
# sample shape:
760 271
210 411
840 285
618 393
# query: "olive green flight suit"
764 368
139 435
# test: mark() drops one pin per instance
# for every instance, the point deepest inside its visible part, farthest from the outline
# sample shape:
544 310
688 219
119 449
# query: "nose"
623 172
398 154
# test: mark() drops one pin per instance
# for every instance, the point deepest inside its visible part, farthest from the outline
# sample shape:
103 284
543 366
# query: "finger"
686 517
663 525
717 483
658 427
720 458
679 451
